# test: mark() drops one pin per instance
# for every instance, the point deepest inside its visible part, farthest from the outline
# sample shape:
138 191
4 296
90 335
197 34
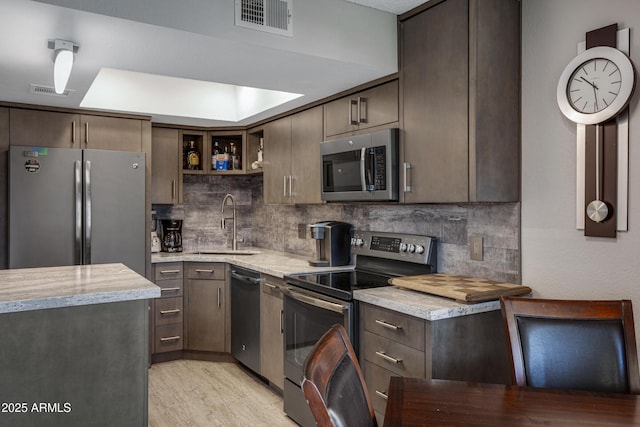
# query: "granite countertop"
421 305
28 289
266 261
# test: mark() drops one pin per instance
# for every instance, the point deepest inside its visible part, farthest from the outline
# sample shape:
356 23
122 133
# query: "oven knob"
353 241
419 249
359 242
411 248
403 247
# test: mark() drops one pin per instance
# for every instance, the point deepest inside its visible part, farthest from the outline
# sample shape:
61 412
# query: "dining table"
434 402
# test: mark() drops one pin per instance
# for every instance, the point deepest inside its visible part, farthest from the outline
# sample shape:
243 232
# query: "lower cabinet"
167 316
271 331
205 307
465 348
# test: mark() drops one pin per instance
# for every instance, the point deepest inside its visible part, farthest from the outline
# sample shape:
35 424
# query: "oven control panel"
405 247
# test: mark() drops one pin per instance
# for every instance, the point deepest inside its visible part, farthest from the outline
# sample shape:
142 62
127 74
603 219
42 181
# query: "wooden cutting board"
460 288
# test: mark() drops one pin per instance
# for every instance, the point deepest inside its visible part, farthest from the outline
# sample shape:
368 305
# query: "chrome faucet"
223 225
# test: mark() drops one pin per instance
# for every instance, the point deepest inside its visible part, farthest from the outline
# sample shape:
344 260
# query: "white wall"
558 261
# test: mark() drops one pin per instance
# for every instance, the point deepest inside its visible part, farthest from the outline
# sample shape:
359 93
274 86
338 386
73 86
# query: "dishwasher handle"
246 279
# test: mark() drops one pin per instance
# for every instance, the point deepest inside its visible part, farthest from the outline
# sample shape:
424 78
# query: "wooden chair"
333 383
586 345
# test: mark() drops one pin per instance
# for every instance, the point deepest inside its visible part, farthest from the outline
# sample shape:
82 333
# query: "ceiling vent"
271 16
48 90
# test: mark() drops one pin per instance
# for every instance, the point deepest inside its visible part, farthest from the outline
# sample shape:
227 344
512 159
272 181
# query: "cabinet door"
435 76
373 107
166 185
272 334
44 128
277 161
111 133
204 314
306 136
4 187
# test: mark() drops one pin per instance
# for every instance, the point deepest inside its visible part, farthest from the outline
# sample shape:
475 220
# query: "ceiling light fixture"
62 62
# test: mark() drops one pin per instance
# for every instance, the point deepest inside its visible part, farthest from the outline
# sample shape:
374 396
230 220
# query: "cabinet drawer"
168 338
396 326
205 270
377 380
170 288
169 270
168 310
402 360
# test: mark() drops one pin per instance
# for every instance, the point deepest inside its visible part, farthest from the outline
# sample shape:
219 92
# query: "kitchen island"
74 346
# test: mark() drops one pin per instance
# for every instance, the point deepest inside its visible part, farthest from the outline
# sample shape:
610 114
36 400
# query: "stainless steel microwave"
361 168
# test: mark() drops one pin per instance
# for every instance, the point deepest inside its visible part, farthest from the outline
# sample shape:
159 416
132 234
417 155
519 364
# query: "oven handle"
317 302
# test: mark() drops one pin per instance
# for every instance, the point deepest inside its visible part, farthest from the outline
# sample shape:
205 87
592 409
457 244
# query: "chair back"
584 345
333 383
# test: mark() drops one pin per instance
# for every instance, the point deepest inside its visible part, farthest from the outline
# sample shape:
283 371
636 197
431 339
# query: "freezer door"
114 226
44 206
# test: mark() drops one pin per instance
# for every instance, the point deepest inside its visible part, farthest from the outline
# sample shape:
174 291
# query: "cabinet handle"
173 189
86 133
219 296
282 321
173 311
73 132
169 271
382 394
291 186
284 186
204 271
353 103
173 338
362 118
388 325
169 289
407 187
270 285
388 358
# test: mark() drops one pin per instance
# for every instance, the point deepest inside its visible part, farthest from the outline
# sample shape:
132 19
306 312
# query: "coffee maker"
171 231
333 243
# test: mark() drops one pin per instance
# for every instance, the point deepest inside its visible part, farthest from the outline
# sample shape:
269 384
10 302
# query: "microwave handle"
363 168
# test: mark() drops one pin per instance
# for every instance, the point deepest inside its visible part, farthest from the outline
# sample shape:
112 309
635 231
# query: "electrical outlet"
303 232
475 248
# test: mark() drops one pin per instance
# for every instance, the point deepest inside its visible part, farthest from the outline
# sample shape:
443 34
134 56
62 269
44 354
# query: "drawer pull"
388 358
174 338
204 271
174 311
169 289
382 394
169 271
270 286
388 325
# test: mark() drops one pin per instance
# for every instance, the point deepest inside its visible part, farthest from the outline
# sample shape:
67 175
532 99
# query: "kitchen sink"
227 252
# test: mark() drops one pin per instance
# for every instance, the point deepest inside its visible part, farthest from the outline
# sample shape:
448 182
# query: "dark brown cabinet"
292 158
205 302
166 181
168 310
271 331
70 130
459 75
363 110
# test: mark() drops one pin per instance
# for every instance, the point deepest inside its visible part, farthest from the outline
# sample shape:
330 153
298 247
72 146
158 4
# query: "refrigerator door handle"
78 205
87 212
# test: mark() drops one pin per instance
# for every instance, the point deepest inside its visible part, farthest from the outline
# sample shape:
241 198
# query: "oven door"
307 316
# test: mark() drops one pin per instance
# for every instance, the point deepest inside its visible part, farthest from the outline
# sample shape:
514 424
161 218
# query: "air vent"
271 16
48 90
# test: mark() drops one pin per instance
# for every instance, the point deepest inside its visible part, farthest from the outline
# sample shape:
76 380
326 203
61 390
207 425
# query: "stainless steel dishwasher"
245 317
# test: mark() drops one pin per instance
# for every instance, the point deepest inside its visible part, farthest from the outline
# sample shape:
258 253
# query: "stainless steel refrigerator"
72 206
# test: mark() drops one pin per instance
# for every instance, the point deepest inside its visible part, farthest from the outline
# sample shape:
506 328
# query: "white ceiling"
336 45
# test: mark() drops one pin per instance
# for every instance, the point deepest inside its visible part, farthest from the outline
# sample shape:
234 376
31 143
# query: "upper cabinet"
363 110
292 158
69 130
166 181
459 77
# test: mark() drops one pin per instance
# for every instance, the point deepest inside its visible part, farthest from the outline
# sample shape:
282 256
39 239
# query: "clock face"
594 86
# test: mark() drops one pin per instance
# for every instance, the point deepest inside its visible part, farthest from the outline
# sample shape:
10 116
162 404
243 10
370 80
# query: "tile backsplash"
276 226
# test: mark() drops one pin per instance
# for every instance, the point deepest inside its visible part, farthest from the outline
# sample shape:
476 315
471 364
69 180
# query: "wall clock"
596 85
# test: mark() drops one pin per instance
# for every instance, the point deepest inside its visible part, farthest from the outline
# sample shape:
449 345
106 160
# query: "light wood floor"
197 393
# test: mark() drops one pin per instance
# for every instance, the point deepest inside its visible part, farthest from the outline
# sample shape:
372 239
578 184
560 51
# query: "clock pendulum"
597 210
